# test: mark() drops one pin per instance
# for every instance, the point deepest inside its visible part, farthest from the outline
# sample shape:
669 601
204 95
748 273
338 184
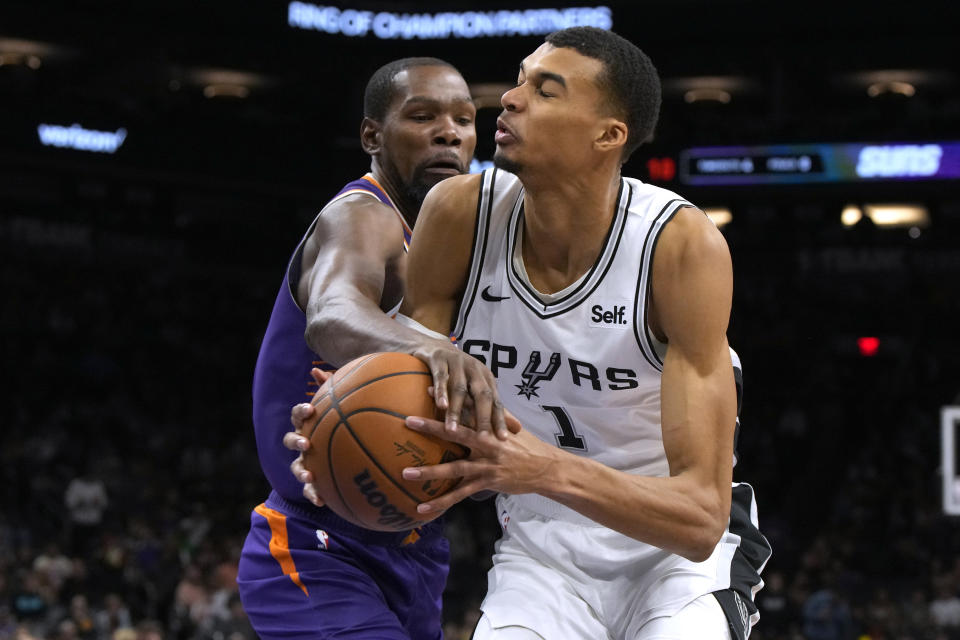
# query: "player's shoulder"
453 199
462 186
358 203
691 230
687 228
359 213
646 197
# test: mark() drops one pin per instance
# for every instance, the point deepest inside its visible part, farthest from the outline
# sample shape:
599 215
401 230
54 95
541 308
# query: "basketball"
359 444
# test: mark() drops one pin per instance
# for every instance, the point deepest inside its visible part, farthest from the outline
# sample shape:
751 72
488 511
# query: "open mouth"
503 135
448 167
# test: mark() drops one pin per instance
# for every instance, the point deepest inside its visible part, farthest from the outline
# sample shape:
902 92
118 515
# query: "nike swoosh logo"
489 297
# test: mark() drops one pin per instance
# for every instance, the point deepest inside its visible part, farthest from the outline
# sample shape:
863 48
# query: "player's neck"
565 225
405 205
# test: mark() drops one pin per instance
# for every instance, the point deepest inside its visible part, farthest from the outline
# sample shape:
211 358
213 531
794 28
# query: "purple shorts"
306 573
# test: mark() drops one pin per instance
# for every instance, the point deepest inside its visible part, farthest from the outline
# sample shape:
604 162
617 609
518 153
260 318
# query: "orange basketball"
360 444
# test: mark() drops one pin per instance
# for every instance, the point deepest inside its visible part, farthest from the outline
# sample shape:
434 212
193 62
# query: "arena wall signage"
804 163
388 25
76 137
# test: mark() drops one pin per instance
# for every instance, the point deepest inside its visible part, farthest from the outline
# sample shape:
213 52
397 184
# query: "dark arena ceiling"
232 91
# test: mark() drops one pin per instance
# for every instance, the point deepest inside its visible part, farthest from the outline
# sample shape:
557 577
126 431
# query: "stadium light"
850 215
721 216
913 216
707 94
898 87
897 215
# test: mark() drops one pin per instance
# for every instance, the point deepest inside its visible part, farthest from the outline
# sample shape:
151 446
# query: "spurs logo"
532 375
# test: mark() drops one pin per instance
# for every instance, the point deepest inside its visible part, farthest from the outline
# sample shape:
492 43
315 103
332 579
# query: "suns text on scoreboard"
803 163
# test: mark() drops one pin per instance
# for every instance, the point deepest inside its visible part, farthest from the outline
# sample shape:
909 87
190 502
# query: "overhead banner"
388 25
809 163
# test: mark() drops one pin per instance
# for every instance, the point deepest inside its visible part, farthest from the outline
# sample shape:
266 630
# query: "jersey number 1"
567 438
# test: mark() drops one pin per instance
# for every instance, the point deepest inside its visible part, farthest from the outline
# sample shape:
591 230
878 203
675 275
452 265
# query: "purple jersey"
304 572
282 376
299 579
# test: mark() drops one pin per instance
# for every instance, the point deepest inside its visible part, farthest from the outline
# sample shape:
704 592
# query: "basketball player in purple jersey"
304 572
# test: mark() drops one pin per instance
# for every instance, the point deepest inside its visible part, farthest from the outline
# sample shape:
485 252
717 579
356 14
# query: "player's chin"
430 179
503 160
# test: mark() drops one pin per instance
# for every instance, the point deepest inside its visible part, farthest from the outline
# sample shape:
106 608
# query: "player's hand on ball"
521 463
460 380
295 441
467 416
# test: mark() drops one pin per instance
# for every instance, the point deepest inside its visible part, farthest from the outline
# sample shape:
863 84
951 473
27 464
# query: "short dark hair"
381 90
629 78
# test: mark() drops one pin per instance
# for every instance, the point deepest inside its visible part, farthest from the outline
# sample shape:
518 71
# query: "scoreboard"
812 163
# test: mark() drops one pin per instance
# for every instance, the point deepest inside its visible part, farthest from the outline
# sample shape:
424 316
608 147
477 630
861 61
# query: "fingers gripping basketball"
360 444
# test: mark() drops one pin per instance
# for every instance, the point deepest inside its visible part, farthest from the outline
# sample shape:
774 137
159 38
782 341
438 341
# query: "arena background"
140 264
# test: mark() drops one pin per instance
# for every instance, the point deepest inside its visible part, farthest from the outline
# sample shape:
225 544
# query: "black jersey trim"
295 265
748 561
647 348
590 282
476 257
653 251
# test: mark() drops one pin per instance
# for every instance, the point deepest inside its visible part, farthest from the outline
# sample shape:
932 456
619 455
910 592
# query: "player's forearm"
344 329
676 513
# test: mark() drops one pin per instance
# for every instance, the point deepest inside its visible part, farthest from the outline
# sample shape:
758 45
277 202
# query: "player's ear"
370 136
613 135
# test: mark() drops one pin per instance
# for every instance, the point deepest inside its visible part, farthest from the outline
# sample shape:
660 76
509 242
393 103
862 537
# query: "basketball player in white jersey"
601 305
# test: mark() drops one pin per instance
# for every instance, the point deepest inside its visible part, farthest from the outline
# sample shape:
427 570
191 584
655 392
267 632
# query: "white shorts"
566 577
702 619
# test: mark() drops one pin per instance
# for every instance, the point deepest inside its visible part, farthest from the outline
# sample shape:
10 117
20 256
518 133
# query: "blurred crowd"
128 467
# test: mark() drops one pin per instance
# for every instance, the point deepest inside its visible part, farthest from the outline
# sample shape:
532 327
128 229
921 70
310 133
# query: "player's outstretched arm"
352 270
437 271
686 512
346 259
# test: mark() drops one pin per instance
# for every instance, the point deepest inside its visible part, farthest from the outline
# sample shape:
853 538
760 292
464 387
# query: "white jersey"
581 370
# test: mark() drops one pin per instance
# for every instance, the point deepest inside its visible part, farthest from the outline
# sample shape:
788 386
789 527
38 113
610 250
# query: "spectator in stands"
113 616
86 500
81 617
53 565
826 616
31 600
776 609
235 626
945 608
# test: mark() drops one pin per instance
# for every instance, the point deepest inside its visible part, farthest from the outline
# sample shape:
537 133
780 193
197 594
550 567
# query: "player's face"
429 133
553 114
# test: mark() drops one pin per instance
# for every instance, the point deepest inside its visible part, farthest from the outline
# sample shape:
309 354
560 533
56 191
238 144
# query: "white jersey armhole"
407 321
